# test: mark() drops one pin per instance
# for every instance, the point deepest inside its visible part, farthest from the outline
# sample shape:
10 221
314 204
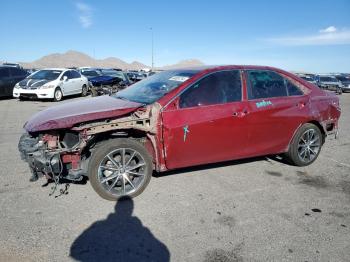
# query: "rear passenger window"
264 84
74 74
217 88
292 89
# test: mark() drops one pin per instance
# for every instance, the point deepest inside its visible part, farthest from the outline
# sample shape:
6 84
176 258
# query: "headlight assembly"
47 86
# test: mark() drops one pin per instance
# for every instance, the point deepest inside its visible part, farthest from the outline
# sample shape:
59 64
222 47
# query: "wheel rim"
58 95
122 172
84 90
309 145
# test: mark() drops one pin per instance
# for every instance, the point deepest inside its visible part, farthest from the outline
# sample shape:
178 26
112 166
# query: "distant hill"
184 63
79 59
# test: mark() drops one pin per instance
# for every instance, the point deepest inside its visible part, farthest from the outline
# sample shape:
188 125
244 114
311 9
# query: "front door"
67 84
207 125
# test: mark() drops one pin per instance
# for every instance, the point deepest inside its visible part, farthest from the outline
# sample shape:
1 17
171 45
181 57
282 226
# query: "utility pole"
152 49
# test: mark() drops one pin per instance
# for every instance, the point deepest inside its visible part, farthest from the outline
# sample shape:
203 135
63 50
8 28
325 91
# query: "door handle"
301 104
241 113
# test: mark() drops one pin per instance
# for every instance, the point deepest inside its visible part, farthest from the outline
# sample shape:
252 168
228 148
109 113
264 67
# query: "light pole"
152 49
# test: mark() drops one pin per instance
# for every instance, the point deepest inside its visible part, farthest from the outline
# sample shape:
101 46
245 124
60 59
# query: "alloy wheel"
309 145
122 171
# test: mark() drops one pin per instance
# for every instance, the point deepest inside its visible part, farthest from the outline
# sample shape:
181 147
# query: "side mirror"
65 78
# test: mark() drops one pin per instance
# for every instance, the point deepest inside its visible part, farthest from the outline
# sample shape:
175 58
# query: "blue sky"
294 35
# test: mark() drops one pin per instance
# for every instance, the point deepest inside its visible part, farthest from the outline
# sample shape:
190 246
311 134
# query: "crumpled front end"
53 155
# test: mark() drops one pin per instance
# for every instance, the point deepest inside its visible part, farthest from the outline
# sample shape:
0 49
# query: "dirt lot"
252 210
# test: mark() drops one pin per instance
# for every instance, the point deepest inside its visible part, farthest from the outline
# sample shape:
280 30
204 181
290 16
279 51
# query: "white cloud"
85 14
328 36
330 29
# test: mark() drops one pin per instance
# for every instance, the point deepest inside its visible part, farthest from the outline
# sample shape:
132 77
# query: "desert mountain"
184 63
78 59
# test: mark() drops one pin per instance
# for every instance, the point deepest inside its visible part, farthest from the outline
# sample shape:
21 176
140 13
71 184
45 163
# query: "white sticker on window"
179 78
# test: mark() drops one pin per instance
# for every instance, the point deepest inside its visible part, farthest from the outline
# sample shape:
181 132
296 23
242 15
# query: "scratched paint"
186 130
263 103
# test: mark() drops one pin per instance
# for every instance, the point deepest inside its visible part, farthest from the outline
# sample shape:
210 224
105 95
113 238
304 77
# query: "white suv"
52 83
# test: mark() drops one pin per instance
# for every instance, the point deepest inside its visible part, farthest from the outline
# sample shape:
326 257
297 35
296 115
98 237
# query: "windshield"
307 78
328 79
114 73
46 74
154 87
89 73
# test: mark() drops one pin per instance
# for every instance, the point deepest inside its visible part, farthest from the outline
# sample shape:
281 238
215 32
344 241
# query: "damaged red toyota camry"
179 118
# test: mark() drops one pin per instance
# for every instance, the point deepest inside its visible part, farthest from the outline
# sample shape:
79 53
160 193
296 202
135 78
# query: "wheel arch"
141 136
316 123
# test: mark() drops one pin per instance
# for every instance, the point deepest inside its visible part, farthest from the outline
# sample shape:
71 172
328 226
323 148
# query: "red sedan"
179 118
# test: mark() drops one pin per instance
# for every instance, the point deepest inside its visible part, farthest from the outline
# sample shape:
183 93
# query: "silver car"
329 82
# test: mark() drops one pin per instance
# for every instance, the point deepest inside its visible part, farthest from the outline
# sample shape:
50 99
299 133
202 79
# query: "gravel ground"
251 210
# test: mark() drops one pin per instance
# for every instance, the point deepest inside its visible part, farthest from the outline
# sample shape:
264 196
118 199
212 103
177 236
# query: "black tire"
57 97
84 91
294 156
110 147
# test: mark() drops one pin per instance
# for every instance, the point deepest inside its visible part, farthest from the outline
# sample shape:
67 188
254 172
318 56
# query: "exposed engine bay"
64 154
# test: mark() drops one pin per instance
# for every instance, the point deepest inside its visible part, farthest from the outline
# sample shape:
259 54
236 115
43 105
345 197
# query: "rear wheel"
58 95
84 90
306 145
120 167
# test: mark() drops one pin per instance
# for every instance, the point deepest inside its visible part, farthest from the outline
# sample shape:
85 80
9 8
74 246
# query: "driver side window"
67 74
217 88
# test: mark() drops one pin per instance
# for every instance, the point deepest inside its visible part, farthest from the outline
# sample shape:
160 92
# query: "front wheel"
305 146
120 167
57 95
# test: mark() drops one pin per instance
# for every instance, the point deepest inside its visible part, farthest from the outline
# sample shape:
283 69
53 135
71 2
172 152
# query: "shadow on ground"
121 237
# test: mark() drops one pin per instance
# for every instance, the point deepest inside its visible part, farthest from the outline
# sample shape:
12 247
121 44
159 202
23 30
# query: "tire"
57 95
101 168
84 91
302 143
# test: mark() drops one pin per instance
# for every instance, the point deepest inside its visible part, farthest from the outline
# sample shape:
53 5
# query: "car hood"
69 114
28 82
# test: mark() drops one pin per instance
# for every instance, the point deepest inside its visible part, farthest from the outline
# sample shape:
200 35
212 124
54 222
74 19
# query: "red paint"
216 132
69 114
71 158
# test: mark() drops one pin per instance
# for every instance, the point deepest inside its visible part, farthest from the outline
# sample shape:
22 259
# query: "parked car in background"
52 83
329 82
9 76
109 82
136 76
12 65
180 118
308 78
90 73
345 81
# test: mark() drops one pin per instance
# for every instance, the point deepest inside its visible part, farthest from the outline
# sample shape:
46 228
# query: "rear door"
276 108
206 125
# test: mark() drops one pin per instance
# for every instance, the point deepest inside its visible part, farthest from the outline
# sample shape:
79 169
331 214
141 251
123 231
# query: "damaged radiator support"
51 163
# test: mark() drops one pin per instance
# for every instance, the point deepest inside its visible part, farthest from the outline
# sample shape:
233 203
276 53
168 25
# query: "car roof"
9 66
56 68
225 67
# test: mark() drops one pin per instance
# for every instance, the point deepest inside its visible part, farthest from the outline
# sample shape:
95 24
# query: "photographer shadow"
121 237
